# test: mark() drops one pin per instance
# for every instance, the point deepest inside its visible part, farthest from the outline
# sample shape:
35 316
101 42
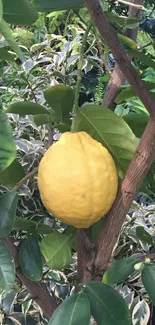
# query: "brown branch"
117 77
25 179
110 37
95 265
37 290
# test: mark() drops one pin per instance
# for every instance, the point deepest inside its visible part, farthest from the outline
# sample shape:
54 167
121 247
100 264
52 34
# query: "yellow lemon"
77 180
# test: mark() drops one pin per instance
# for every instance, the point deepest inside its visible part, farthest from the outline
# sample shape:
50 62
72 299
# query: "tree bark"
95 264
37 290
117 78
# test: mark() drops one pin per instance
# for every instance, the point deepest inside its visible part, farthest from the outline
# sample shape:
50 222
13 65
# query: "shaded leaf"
48 5
137 123
30 259
60 98
26 108
128 92
1 10
31 226
106 305
7 268
143 235
19 12
148 279
56 250
7 144
62 127
74 310
6 56
41 119
8 205
6 31
143 58
120 270
12 175
111 130
141 313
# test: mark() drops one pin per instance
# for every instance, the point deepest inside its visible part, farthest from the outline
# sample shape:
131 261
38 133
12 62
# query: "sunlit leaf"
56 250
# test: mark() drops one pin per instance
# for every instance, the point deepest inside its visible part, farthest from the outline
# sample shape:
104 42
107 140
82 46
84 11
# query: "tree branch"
110 37
37 290
140 164
117 77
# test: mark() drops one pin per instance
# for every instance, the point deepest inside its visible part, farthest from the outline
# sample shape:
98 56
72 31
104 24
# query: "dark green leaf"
96 228
148 278
26 108
6 56
137 123
106 305
56 250
8 205
143 235
142 57
41 119
12 175
31 226
60 98
30 259
74 310
48 5
7 144
19 12
7 268
111 130
120 270
6 31
128 92
62 127
122 21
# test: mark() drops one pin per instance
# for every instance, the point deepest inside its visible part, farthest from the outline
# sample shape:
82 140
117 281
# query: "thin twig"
79 77
25 178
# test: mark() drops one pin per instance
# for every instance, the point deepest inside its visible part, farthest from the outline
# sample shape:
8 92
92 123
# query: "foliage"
39 69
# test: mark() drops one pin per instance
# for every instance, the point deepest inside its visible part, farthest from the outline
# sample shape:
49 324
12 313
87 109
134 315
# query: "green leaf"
120 270
142 57
48 5
31 226
96 228
128 92
56 250
12 175
6 56
7 144
41 119
60 98
148 279
7 268
74 310
127 42
6 31
121 21
111 130
19 12
30 259
26 108
106 305
137 123
143 235
62 127
8 205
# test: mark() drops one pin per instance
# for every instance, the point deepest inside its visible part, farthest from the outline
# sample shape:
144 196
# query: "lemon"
77 180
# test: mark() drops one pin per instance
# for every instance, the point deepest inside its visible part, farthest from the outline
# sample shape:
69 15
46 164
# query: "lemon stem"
79 76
